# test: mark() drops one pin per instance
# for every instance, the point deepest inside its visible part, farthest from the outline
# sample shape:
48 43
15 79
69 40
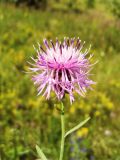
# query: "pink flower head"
62 68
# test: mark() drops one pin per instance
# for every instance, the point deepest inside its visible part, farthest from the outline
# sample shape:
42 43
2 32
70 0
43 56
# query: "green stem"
62 132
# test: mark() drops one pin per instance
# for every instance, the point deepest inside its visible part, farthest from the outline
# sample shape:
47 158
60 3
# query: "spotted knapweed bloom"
62 68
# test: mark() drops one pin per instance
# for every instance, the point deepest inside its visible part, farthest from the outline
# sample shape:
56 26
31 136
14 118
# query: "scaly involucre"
62 68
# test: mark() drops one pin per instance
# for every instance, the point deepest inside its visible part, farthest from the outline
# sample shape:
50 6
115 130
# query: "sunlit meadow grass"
26 119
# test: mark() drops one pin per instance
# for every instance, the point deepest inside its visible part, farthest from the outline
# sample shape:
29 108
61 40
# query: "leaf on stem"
40 153
77 127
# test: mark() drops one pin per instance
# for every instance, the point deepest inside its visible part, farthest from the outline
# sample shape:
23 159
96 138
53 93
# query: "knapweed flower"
62 68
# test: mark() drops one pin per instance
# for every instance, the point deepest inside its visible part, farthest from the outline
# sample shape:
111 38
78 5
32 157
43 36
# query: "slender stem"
62 132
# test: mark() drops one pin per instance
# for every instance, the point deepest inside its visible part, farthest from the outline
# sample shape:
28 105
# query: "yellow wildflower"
83 132
72 110
97 113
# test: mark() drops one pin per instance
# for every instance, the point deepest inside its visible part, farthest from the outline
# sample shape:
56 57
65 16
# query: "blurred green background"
27 120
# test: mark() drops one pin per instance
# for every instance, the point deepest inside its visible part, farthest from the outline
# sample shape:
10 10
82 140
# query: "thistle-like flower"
62 68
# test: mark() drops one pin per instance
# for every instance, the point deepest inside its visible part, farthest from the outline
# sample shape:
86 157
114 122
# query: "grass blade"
40 153
77 127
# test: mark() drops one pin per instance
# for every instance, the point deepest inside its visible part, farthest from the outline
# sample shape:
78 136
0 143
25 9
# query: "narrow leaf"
77 127
40 153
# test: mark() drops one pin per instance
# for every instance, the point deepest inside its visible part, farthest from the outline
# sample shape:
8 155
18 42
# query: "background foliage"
26 119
